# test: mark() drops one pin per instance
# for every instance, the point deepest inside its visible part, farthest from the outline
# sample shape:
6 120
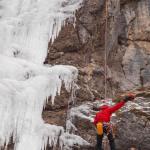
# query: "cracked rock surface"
128 46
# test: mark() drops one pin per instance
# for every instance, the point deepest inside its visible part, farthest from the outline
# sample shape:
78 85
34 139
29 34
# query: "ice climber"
102 121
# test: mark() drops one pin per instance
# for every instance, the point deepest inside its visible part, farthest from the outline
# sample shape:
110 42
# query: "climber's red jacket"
105 112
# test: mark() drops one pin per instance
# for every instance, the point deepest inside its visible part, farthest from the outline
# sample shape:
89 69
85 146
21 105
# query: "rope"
105 57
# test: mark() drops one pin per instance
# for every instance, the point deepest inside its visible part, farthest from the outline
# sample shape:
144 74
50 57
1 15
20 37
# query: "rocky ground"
132 122
128 64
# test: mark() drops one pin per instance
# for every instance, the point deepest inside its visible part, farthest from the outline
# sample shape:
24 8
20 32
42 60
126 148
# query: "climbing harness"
108 127
104 127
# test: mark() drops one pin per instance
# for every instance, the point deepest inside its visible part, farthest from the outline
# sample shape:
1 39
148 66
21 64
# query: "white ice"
26 27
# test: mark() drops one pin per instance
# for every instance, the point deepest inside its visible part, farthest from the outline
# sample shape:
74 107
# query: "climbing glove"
129 97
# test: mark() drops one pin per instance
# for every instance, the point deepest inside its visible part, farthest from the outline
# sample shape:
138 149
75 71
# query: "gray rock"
128 62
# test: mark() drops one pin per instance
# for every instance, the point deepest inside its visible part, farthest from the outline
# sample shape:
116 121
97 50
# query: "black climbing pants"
100 139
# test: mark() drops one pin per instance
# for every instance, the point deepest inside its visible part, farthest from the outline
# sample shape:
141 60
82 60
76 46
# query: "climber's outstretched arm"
126 98
116 107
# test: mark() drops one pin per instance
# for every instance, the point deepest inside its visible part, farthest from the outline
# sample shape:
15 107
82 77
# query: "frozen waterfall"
26 27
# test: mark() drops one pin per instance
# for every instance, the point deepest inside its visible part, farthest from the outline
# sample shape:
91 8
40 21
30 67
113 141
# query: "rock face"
128 55
133 131
128 45
133 126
